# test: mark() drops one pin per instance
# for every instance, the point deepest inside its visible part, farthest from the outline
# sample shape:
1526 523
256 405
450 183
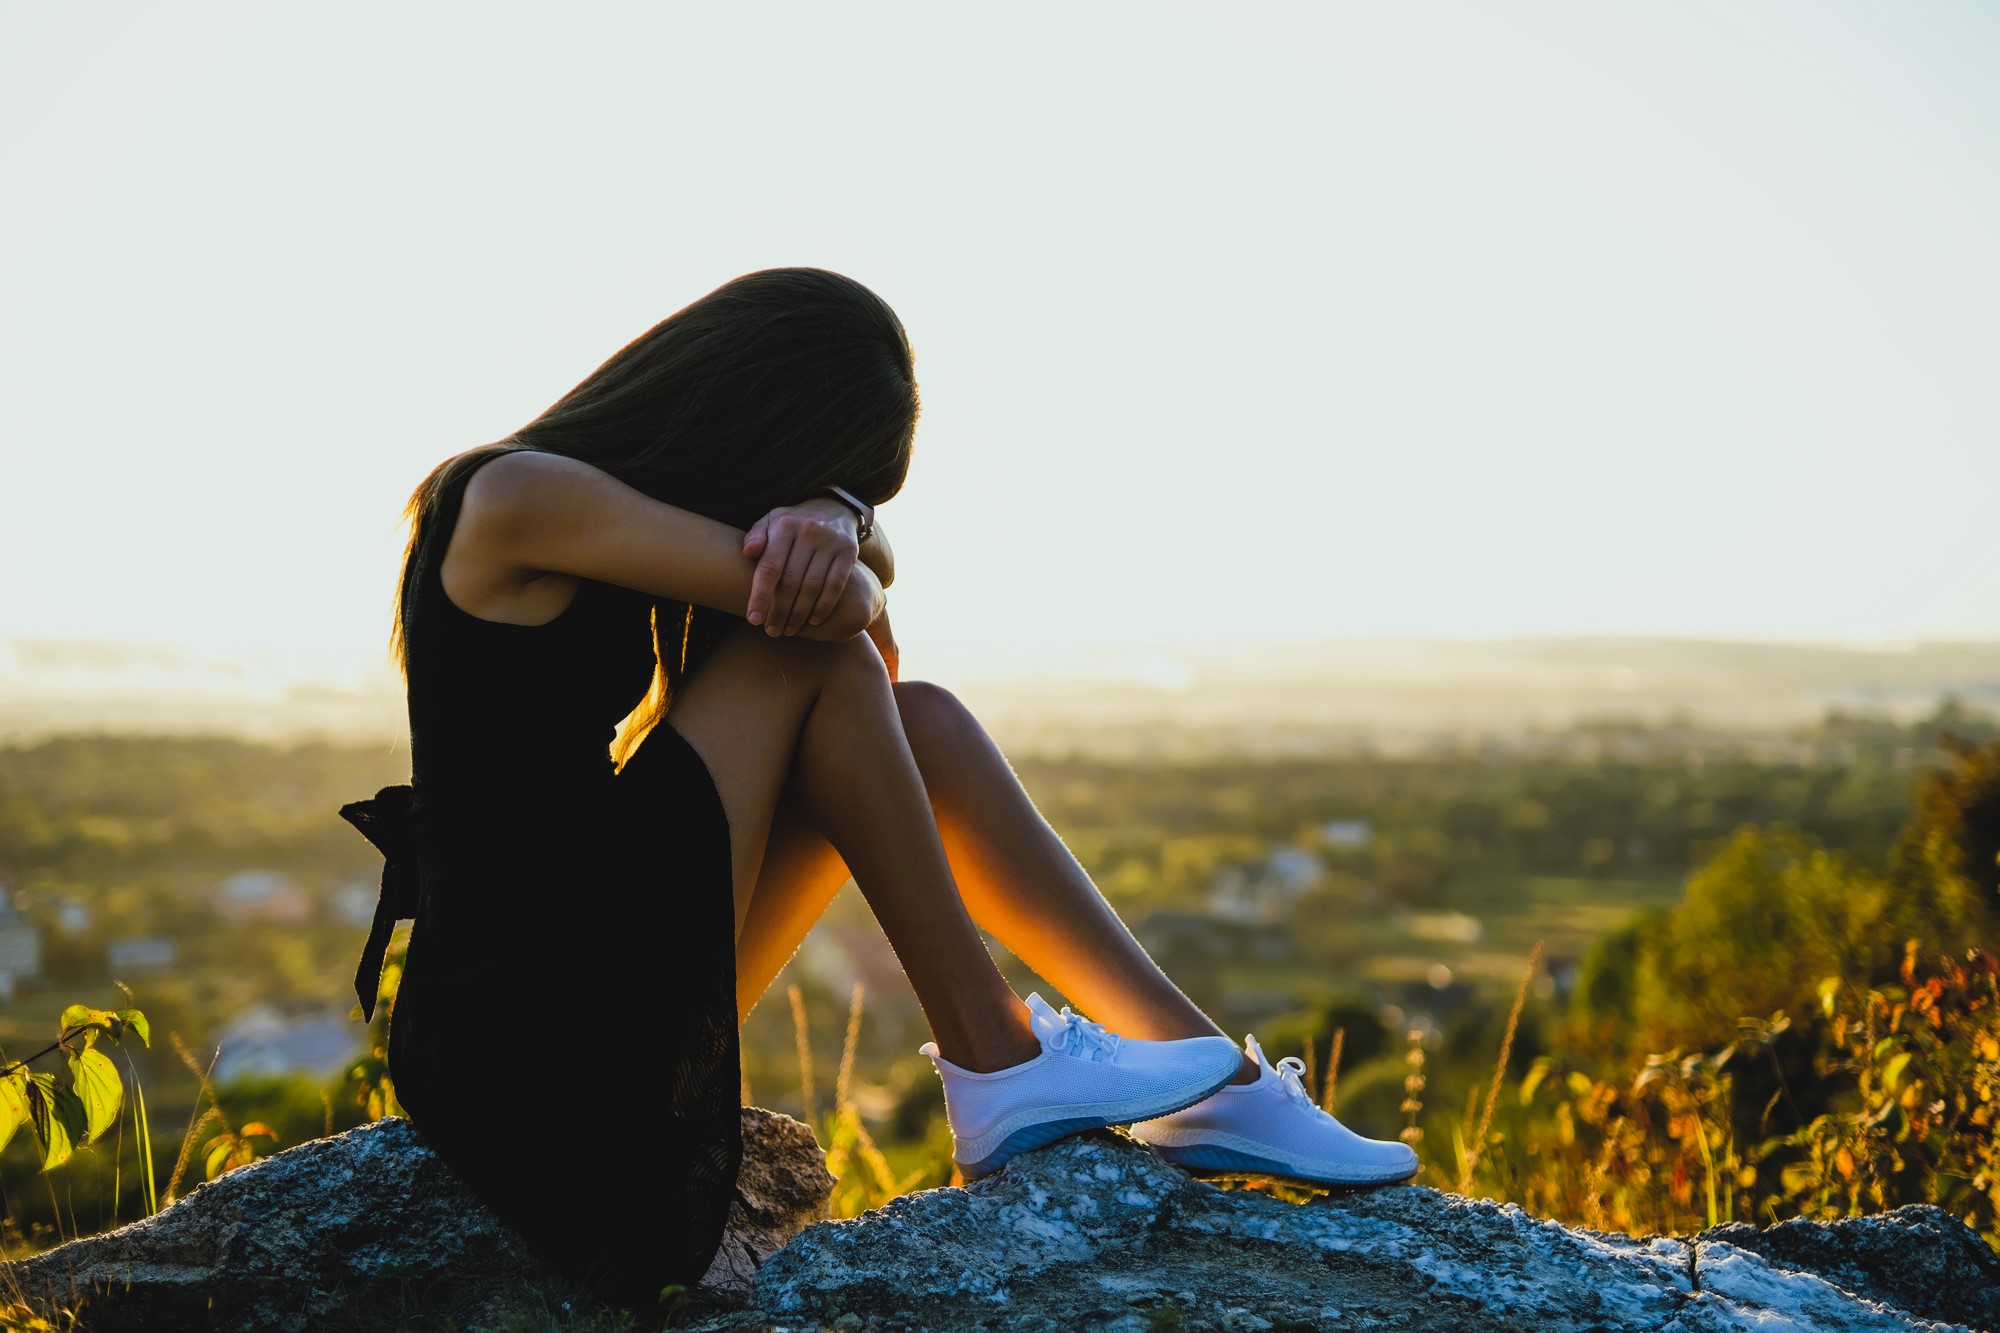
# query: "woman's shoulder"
481 572
516 482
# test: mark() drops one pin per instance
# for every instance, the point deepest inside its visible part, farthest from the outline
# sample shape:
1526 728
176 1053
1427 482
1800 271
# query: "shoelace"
1291 1072
1079 1035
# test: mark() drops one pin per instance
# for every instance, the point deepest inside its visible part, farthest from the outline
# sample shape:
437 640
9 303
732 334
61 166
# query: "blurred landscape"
1385 695
1353 849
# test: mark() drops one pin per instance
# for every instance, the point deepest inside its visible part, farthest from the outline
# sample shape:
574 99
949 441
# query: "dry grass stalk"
1413 1088
196 1122
798 998
1333 1068
847 1050
878 1164
203 1121
1499 1072
201 1075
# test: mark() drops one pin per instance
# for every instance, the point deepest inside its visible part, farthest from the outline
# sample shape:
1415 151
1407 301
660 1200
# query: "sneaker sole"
1214 1160
1041 1133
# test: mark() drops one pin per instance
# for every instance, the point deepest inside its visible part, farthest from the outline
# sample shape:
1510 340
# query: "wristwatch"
862 509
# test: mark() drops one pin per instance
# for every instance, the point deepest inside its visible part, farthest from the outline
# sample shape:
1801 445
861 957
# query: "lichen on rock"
1098 1233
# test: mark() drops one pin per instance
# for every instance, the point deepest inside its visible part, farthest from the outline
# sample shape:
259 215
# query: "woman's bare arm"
875 554
531 519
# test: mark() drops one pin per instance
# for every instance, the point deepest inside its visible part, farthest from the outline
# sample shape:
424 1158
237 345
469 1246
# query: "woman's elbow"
860 602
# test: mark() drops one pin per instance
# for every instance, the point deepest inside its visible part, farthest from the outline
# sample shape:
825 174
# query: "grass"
1478 1146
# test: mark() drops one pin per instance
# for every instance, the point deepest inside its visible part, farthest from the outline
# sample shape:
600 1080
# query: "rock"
1097 1233
783 1187
368 1229
1917 1258
359 1228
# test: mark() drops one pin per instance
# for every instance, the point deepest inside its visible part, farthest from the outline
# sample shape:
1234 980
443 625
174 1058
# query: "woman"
697 514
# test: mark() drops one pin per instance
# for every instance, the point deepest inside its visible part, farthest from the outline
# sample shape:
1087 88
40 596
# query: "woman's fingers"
836 583
778 543
803 564
786 595
809 591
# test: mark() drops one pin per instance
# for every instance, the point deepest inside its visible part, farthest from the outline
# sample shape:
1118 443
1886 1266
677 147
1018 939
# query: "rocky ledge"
369 1230
1098 1233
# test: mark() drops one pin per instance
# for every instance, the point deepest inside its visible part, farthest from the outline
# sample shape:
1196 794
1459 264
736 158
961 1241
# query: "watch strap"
862 509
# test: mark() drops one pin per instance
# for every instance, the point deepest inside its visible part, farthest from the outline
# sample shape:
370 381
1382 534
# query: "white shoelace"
1291 1073
1080 1036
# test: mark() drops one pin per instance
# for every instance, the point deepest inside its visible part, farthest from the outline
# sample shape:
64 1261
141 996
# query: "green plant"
866 1178
65 1118
368 1080
1919 1124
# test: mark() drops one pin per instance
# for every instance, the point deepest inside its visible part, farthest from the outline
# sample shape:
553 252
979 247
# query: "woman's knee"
823 657
854 662
934 718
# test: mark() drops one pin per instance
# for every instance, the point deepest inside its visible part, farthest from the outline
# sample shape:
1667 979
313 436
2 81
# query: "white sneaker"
1271 1128
1085 1078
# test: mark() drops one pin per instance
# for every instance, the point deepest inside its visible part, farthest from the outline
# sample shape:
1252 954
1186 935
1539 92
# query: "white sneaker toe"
1270 1127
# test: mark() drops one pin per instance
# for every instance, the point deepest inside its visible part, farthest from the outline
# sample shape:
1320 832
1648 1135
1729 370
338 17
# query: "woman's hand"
807 551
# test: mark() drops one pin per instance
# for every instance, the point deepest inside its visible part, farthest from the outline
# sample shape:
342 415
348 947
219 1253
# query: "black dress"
565 1030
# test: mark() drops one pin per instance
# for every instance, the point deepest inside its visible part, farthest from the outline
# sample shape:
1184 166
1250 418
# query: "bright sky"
1232 321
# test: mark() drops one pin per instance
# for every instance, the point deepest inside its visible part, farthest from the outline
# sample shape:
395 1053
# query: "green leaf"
219 1153
92 1021
97 1085
1537 1071
1892 1073
136 1021
58 1118
13 1104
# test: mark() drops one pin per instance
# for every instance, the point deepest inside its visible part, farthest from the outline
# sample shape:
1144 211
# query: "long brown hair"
755 396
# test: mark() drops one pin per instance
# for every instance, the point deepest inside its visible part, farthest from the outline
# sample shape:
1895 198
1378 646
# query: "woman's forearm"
875 554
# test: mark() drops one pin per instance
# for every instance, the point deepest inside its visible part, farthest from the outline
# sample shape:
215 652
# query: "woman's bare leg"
764 711
798 880
1017 878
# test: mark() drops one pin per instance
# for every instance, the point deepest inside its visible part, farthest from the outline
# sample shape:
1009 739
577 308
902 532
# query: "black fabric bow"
391 820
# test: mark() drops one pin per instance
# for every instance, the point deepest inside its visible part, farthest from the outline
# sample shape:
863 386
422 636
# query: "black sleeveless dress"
565 1030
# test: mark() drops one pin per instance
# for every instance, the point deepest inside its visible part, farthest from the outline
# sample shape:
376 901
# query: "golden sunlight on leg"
1022 884
820 719
801 874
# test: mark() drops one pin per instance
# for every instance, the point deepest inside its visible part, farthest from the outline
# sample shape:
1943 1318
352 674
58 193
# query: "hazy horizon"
1273 696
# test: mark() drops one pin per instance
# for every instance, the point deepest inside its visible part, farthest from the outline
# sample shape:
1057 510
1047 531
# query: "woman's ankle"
996 1042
